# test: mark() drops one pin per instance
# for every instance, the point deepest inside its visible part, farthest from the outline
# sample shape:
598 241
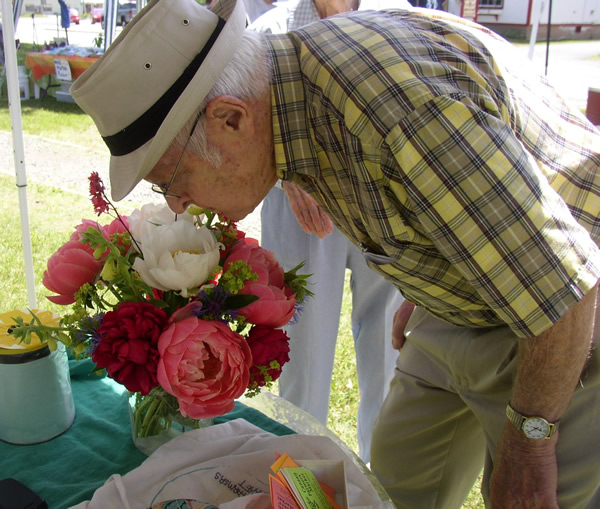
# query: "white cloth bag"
225 465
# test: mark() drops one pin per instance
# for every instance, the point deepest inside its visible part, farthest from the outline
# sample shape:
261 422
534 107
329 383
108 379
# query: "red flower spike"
97 192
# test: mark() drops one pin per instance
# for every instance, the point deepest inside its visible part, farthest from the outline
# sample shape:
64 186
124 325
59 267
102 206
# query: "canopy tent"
10 18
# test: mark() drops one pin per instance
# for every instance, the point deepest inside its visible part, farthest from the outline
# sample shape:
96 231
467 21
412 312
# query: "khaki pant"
446 410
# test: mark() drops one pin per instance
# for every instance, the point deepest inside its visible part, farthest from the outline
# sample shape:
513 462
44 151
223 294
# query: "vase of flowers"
184 311
155 420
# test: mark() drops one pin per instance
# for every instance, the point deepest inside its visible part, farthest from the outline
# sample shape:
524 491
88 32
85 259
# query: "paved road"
573 67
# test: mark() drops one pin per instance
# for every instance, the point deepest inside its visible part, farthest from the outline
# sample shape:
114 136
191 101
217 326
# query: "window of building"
494 4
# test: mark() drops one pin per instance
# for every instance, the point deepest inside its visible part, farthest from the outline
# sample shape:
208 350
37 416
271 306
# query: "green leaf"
239 301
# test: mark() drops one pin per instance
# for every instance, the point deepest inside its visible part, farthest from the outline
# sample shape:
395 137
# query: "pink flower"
205 365
266 345
187 311
116 226
261 260
275 307
128 347
69 268
113 228
276 303
82 228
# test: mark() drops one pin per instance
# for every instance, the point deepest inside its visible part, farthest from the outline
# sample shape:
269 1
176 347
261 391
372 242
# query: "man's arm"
549 368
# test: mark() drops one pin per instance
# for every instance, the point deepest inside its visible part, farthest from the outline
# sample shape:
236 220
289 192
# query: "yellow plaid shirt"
462 176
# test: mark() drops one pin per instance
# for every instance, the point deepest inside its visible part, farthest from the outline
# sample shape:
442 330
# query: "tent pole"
537 8
14 104
548 37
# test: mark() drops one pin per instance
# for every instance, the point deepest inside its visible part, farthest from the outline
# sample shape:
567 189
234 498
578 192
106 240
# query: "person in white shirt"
256 8
306 379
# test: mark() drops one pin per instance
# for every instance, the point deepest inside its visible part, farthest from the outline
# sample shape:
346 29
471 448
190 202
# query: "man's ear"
227 115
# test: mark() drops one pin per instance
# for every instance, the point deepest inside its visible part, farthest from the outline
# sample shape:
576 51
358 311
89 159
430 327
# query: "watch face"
536 428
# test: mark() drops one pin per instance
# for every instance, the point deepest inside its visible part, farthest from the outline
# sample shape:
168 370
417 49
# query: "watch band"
520 422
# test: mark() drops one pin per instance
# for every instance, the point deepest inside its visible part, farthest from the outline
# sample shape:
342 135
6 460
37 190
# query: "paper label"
62 69
281 498
305 487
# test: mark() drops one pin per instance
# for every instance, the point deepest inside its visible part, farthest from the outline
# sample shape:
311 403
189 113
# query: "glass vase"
155 420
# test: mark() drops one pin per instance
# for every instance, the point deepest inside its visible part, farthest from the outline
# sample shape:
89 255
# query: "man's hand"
525 472
549 368
401 316
309 215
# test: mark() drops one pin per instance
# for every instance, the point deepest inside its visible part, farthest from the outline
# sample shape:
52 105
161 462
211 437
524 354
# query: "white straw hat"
152 78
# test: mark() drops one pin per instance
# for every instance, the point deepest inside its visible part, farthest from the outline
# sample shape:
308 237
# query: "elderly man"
462 177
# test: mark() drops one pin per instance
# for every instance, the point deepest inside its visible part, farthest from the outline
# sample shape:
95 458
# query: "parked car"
74 16
97 15
125 13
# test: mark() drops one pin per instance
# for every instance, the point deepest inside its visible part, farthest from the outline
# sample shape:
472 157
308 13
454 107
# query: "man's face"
233 189
246 172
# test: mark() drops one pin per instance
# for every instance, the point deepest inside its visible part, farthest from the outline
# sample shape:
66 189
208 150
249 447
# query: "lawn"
51 223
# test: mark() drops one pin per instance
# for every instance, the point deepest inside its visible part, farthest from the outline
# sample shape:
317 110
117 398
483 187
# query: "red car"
97 14
74 16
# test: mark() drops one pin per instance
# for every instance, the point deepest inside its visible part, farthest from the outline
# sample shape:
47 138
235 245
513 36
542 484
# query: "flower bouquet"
183 310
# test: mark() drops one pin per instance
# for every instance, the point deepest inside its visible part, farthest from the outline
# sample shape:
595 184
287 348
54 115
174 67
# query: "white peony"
154 214
177 256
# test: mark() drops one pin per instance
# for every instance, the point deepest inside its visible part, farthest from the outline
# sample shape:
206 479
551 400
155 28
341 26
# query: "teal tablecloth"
69 468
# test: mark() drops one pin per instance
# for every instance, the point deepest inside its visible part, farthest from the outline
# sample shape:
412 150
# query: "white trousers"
306 379
445 413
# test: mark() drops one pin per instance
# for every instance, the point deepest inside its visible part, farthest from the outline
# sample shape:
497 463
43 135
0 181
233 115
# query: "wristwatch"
535 428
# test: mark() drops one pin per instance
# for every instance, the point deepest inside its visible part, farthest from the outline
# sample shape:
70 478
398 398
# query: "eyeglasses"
164 189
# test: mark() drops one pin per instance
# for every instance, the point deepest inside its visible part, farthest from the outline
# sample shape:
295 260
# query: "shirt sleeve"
487 206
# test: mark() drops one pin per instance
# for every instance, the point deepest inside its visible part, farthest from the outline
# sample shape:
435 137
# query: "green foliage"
298 282
239 272
254 388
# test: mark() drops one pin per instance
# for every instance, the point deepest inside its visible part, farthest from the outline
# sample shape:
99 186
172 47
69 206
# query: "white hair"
247 77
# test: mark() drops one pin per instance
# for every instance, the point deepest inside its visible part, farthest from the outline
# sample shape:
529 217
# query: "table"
69 468
42 64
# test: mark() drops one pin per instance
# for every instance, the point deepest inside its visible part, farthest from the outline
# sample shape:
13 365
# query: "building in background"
575 19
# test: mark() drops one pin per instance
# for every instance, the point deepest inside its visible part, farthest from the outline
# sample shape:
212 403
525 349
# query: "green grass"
39 118
53 214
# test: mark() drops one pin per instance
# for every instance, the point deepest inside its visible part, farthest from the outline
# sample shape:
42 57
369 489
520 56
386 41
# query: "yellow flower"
9 342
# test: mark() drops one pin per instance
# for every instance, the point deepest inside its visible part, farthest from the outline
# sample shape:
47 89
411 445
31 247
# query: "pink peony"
82 228
276 303
113 228
69 268
116 226
205 365
275 307
128 347
266 345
